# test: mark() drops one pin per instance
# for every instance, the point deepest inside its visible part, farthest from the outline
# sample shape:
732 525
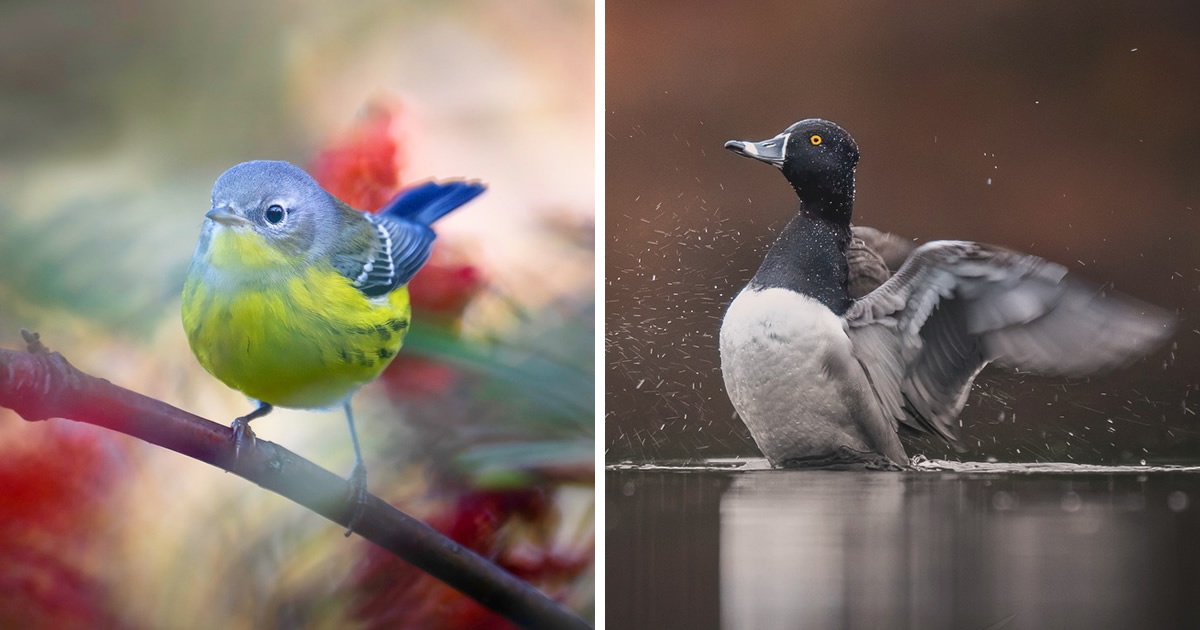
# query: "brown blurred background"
1068 130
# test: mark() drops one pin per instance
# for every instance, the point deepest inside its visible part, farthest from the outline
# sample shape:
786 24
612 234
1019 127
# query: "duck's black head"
817 157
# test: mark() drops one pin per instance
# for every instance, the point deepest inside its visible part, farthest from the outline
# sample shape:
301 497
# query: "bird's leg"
358 476
241 428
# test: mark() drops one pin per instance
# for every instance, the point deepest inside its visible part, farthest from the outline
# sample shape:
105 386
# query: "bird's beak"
225 217
770 151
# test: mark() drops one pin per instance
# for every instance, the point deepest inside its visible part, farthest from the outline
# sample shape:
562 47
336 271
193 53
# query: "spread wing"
381 253
954 306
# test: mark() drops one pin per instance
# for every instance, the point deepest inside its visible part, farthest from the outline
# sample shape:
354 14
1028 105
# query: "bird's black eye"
815 139
274 214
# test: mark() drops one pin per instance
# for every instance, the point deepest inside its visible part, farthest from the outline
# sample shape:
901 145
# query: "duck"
847 335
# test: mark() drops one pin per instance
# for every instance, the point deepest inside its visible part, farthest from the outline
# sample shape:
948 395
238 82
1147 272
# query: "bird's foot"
357 495
242 432
243 435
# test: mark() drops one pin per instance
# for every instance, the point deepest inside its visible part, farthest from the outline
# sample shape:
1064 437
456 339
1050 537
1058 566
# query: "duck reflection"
824 549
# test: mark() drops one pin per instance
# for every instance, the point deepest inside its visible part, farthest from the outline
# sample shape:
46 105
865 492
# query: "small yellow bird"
296 299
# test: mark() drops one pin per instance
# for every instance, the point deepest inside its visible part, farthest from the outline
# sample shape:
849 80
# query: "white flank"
790 372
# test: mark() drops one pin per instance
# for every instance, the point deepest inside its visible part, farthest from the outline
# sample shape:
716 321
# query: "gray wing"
406 247
955 306
873 257
892 250
380 253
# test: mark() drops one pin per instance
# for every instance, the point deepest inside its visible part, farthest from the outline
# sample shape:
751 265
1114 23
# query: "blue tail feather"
430 201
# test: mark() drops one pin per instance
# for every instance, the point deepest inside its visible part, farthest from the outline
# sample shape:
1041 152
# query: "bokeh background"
1067 130
115 118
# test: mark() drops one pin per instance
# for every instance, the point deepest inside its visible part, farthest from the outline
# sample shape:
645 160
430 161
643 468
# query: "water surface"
736 545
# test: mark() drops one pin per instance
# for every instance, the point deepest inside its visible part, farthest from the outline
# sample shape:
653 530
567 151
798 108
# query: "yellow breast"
304 339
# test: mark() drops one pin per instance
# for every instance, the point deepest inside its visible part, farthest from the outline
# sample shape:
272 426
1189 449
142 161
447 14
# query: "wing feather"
955 306
381 253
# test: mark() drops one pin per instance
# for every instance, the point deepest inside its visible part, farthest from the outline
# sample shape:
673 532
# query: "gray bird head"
275 200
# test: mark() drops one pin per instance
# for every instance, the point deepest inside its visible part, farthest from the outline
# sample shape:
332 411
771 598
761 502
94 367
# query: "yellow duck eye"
815 139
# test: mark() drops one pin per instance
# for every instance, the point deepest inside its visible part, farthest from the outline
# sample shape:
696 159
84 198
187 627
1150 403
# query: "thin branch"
40 384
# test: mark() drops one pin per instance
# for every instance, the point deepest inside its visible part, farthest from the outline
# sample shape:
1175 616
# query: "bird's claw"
357 495
241 433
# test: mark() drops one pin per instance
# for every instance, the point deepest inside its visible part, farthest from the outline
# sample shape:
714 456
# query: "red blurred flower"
363 167
410 377
447 283
56 484
495 524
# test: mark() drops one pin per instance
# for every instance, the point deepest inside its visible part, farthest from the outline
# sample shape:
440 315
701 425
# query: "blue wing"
405 238
428 202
